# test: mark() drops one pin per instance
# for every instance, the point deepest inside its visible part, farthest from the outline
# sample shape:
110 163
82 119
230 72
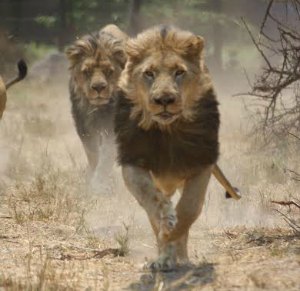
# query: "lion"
167 126
22 67
96 61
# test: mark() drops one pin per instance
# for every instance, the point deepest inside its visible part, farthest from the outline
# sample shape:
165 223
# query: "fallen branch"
96 255
286 203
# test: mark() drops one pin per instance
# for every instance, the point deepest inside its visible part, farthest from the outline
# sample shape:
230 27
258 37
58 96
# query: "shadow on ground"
181 279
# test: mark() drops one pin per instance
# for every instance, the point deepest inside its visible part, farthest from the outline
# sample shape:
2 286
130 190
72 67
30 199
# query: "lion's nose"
99 86
165 100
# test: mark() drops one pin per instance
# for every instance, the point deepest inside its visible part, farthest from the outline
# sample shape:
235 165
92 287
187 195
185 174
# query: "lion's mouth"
165 115
99 100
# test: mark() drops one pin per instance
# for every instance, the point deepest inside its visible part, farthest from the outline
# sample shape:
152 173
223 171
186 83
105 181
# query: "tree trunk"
62 29
217 36
134 16
17 13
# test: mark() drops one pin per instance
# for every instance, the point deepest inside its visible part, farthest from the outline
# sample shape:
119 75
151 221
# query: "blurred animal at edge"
22 67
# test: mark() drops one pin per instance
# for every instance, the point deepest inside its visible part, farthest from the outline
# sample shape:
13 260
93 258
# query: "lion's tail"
22 67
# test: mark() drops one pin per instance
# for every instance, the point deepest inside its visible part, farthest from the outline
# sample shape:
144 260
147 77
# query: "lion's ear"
74 54
132 50
120 57
80 48
194 46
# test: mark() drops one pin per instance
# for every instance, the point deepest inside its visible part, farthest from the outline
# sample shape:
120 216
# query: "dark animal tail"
22 67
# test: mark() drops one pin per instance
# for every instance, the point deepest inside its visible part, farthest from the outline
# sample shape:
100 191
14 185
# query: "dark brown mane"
94 45
188 147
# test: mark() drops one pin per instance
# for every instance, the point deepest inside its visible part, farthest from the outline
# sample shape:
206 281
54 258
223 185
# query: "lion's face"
96 64
164 80
97 79
164 75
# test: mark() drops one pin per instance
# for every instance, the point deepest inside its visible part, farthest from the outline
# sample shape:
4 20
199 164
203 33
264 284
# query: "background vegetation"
56 23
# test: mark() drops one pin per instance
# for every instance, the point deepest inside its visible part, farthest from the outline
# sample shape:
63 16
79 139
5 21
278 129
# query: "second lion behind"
96 61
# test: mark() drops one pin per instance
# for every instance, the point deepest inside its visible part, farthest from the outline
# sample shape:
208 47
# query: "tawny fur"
166 125
96 62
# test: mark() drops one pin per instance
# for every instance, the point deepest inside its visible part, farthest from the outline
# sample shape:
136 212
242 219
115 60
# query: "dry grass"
51 195
42 272
123 241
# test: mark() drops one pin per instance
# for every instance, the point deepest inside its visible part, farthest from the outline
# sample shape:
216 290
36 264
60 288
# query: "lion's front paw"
164 263
168 219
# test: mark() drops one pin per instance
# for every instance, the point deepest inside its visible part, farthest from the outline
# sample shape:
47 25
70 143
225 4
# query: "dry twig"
286 203
96 255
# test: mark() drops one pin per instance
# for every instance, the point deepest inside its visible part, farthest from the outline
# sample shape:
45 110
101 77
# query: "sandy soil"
57 233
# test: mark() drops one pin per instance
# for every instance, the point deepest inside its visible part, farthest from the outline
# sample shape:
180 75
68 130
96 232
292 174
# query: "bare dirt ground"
57 233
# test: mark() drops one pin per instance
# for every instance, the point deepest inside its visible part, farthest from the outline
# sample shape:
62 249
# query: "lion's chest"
173 154
162 153
179 153
168 184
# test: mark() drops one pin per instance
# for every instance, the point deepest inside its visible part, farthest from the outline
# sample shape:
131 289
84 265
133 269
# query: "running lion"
167 133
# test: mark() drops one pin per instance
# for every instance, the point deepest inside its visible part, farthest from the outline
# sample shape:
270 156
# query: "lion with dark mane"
96 61
166 125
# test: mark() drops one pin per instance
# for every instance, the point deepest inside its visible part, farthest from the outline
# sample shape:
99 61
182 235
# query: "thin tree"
134 16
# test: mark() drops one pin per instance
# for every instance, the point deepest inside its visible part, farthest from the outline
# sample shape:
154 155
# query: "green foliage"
34 51
90 15
47 21
65 20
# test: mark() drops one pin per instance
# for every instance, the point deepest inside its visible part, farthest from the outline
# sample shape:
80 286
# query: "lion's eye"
109 72
149 74
87 72
179 73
